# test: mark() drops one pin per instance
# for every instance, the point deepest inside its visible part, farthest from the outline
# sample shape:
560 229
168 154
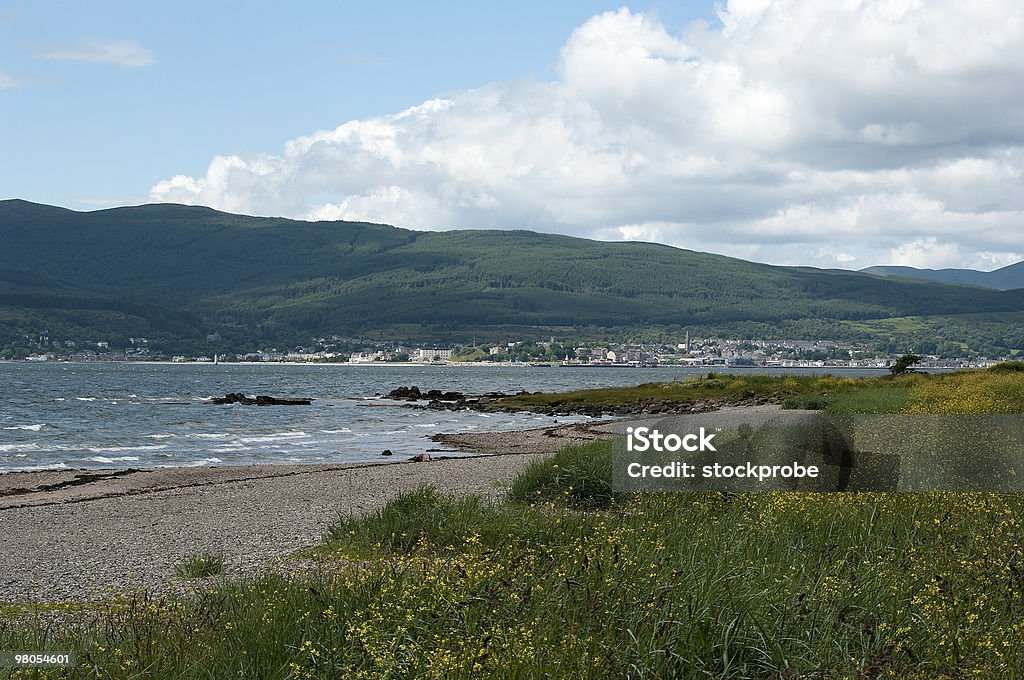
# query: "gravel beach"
76 535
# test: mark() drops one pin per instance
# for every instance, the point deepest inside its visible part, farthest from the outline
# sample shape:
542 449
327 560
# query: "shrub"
1007 367
578 477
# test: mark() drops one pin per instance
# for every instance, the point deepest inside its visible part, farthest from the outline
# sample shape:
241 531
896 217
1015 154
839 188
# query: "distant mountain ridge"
1005 278
180 273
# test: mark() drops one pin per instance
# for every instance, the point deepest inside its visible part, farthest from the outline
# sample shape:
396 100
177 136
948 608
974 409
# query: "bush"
1007 367
578 477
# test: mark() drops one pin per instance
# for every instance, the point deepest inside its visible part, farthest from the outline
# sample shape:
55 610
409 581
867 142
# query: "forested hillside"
175 274
1004 278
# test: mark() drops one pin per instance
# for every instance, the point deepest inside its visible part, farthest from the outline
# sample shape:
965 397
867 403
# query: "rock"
264 400
421 458
405 393
386 452
260 400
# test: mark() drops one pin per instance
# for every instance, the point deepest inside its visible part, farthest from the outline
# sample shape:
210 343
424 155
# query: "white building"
433 354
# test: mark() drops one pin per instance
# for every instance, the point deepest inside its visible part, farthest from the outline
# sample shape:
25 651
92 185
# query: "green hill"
176 273
1005 278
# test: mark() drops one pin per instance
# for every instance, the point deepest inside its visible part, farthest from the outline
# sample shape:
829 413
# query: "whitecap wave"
38 468
343 430
13 448
161 435
115 449
277 436
199 463
107 461
33 428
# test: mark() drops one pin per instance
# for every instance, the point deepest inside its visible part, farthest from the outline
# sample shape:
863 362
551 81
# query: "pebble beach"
73 535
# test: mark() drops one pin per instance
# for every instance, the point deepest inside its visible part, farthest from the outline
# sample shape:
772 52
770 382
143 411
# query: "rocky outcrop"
492 401
415 394
259 400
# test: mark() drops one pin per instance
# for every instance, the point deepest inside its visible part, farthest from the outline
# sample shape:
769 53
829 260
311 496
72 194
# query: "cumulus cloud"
126 53
792 131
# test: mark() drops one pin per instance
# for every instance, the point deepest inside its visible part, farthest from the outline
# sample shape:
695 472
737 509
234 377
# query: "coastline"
75 535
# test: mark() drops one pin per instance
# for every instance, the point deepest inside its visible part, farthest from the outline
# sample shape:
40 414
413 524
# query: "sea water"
115 415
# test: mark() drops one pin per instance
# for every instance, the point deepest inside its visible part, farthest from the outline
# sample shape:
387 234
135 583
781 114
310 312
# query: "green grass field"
565 579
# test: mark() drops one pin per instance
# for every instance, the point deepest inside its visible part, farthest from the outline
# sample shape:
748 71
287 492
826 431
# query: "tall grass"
578 477
688 585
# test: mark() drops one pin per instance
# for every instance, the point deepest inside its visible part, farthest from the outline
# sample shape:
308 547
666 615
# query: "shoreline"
460 364
85 535
80 535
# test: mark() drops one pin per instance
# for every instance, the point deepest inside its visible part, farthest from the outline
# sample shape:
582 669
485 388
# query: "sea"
57 415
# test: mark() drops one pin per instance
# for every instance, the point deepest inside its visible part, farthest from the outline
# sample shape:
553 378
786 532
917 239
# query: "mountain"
1007 278
175 274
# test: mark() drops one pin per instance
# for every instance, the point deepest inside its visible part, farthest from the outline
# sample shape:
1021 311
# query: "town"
705 351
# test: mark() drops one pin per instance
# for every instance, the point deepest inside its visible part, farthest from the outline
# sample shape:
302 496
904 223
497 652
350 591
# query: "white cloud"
126 53
801 132
7 81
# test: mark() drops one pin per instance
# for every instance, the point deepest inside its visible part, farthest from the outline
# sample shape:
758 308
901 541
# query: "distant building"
433 354
367 357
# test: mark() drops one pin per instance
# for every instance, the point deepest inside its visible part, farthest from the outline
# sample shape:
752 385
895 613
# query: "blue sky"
783 131
236 77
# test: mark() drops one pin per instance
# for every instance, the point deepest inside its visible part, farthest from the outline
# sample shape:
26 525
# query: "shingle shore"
74 535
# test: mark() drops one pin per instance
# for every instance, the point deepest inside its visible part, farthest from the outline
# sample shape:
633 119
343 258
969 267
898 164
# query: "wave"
198 463
33 428
104 459
13 448
38 468
264 439
115 449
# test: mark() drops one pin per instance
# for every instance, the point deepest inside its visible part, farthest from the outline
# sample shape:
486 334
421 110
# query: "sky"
841 134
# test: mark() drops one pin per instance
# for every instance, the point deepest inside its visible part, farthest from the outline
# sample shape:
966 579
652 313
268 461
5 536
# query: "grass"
428 518
710 387
999 389
203 565
688 585
577 477
890 399
564 579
